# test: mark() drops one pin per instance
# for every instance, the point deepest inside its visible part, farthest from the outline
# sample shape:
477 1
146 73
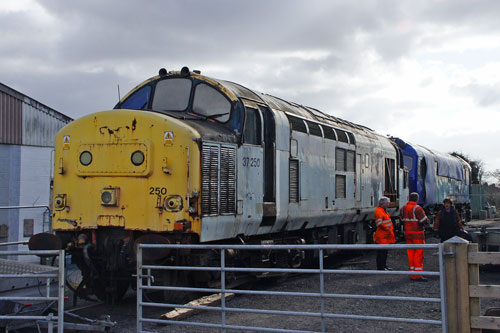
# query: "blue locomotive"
435 176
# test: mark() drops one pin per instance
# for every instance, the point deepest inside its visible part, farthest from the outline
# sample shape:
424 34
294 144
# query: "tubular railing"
59 298
144 272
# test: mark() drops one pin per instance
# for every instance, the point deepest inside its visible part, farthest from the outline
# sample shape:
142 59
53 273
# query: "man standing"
447 221
414 219
384 233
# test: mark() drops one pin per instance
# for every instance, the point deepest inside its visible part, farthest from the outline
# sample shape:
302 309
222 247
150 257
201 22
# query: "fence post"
457 284
475 305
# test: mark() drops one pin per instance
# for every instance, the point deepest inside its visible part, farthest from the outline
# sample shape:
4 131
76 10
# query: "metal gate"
144 279
14 270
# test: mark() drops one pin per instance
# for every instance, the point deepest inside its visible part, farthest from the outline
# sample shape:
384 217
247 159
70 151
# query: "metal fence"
144 279
51 319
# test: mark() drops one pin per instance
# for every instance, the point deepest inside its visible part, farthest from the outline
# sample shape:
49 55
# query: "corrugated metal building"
27 132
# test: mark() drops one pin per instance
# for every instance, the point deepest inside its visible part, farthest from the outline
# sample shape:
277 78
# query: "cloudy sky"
427 71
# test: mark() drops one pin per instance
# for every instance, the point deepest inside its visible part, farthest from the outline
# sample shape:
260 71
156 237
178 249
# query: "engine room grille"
218 172
227 180
294 181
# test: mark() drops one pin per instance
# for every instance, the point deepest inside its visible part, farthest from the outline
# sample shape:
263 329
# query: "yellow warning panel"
66 142
168 138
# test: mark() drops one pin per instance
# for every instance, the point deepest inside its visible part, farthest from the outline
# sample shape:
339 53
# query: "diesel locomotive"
184 158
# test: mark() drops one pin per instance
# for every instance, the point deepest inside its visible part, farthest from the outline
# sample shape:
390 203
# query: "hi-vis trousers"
415 256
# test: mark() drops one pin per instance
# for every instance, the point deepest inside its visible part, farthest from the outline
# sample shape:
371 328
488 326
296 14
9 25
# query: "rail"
50 318
144 272
46 213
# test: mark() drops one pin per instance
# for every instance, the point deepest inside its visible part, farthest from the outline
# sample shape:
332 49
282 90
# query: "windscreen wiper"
216 115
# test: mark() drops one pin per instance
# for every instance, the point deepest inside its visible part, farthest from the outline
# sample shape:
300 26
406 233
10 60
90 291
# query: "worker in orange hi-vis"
414 219
384 233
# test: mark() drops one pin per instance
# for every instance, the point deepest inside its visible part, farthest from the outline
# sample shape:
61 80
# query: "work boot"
420 279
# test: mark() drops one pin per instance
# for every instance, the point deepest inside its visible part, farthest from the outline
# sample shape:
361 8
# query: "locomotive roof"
237 91
277 103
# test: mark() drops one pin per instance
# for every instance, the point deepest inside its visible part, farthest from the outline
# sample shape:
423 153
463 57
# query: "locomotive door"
359 176
269 208
250 170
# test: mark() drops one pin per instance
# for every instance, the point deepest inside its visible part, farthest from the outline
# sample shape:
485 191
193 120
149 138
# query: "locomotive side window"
329 133
342 136
138 100
314 129
297 124
172 95
210 103
367 161
390 179
253 127
352 140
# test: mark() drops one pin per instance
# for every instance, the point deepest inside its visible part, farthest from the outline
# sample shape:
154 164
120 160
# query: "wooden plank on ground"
180 313
484 258
492 323
484 291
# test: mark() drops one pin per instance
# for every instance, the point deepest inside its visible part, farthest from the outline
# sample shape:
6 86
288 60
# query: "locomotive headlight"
85 158
137 157
60 201
173 203
109 196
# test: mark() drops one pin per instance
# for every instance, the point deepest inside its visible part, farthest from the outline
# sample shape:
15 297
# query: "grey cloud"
483 95
75 98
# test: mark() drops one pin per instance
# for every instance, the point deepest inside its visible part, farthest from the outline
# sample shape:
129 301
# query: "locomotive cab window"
408 162
139 100
252 132
172 95
210 103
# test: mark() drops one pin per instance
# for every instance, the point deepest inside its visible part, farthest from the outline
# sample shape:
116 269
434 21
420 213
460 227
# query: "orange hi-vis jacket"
413 217
385 229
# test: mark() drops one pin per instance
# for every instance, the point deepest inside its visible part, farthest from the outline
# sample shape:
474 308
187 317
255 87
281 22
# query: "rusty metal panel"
10 117
40 123
24 121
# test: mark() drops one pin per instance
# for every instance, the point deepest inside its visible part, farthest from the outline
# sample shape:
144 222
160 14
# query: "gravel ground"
125 313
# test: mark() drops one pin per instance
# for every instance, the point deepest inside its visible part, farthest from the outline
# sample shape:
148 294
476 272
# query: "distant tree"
477 166
494 174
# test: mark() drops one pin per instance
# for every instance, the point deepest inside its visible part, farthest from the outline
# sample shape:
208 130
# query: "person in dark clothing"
447 221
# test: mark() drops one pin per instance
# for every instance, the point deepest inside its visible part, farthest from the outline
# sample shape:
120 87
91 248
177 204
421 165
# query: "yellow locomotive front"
134 170
132 175
123 177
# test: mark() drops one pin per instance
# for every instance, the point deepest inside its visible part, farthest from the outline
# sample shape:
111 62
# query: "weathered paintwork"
170 168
